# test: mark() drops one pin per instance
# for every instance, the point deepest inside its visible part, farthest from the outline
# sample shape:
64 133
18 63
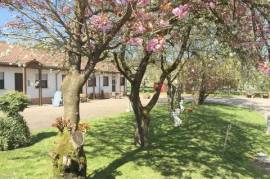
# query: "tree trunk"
179 91
71 89
69 157
200 97
141 118
171 96
141 127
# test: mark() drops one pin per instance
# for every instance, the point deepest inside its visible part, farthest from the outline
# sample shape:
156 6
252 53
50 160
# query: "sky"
5 16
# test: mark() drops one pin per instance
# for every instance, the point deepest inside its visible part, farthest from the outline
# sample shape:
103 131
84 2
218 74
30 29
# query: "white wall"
106 89
9 78
53 76
32 92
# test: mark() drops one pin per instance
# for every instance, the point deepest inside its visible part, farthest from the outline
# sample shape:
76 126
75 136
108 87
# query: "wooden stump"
69 157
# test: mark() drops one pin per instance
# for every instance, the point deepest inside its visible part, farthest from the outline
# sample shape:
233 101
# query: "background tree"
161 36
175 87
256 79
204 75
84 31
244 26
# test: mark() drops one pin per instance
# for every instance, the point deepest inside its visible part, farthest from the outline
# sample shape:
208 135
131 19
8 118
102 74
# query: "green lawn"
194 150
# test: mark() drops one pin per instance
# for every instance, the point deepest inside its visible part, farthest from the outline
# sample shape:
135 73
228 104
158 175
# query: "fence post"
268 123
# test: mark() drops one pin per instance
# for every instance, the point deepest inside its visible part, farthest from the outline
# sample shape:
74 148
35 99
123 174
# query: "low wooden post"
227 136
268 123
86 86
99 87
94 87
24 81
40 86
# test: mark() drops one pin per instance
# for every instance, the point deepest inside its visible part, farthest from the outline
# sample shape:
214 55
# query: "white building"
22 69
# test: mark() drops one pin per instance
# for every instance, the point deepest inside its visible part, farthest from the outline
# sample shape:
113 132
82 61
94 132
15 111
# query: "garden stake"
227 136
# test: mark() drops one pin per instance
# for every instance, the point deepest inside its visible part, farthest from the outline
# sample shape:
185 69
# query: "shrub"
13 102
14 132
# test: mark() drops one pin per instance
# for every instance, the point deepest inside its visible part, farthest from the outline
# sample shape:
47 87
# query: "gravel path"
258 104
38 117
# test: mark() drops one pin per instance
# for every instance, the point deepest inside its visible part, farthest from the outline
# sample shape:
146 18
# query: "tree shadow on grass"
41 136
195 147
110 171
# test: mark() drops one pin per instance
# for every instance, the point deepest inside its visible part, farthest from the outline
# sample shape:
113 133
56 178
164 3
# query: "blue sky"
5 16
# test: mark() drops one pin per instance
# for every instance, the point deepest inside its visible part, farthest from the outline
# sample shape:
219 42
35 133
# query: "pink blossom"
135 41
144 16
264 68
143 2
212 5
101 22
164 23
139 28
181 11
140 2
121 1
156 44
66 10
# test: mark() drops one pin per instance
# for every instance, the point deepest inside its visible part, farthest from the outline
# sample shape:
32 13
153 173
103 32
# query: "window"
2 86
92 81
122 81
105 81
44 81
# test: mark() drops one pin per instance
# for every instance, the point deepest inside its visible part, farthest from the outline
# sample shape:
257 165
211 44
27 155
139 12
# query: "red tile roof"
106 67
17 54
21 55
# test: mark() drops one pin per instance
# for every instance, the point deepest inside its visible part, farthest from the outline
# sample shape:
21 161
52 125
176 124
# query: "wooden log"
77 139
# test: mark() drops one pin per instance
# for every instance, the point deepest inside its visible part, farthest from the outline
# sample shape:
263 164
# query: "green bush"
14 131
13 102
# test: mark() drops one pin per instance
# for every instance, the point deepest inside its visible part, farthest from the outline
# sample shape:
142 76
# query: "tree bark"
71 89
141 118
171 95
142 125
69 159
200 97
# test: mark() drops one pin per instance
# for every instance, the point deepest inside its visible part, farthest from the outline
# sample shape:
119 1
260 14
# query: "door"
19 82
113 84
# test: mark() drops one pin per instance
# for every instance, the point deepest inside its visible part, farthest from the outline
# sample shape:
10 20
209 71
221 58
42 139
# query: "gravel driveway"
258 104
38 117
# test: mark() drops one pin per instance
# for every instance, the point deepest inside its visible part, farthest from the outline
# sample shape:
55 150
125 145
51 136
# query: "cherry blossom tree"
162 37
86 30
244 25
264 68
205 74
82 30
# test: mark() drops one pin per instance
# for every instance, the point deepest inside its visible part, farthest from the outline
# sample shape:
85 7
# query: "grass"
194 150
